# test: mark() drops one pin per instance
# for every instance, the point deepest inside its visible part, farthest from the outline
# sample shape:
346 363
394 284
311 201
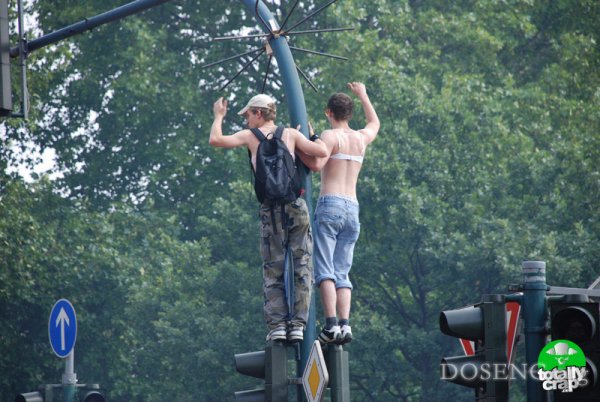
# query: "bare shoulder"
245 132
292 133
328 133
368 134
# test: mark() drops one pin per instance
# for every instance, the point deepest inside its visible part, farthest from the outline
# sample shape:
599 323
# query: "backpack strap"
278 132
258 134
261 137
285 224
250 162
273 221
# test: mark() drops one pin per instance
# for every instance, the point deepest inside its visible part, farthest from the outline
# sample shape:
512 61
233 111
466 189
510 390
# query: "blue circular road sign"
62 328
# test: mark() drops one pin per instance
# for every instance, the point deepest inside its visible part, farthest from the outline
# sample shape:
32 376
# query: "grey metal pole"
23 65
6 104
87 24
69 378
534 315
298 116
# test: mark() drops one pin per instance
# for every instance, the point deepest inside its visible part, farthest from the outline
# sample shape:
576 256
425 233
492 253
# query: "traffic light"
487 371
270 365
44 393
30 397
5 85
86 393
577 319
92 393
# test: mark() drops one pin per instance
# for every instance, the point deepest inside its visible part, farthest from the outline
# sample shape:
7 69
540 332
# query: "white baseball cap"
261 100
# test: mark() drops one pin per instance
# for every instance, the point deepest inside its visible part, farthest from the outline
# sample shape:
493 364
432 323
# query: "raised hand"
220 107
358 88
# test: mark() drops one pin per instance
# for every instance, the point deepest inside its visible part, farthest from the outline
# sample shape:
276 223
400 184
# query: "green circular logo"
561 354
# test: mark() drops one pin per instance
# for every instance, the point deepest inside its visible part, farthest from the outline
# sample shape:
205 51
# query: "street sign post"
62 328
62 331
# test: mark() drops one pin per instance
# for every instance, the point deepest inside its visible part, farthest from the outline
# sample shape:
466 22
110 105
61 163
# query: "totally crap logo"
562 366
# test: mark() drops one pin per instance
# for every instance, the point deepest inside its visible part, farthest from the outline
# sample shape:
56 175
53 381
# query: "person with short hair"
260 113
336 223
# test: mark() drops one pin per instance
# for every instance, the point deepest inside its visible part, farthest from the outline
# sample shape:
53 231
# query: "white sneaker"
295 333
332 335
277 334
346 334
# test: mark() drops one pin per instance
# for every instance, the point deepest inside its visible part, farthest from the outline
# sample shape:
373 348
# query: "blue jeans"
336 228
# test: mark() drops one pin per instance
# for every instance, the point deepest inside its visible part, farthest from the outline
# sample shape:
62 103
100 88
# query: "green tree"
487 156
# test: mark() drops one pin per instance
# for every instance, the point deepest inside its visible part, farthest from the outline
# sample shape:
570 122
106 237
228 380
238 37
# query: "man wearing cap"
260 113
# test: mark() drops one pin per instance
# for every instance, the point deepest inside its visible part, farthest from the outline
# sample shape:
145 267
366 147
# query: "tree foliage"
487 156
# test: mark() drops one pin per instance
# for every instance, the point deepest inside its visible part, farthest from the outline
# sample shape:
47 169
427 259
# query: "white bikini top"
347 157
341 156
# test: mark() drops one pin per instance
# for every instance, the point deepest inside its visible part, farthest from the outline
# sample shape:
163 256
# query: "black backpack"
277 179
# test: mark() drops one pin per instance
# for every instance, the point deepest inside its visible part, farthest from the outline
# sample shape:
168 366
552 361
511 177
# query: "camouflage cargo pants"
272 251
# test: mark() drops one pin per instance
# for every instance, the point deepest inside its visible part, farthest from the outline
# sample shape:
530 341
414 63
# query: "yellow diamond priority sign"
315 377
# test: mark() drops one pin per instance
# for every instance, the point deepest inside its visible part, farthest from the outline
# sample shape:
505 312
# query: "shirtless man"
336 224
260 112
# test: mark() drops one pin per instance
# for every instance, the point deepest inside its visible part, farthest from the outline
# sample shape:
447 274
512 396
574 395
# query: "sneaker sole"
328 340
279 335
346 339
294 336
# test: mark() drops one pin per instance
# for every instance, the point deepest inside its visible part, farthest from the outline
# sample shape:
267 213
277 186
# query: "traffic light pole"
69 379
22 64
5 82
534 315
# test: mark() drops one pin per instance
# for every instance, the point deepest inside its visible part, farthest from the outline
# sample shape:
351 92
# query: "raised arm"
372 127
312 148
316 163
217 139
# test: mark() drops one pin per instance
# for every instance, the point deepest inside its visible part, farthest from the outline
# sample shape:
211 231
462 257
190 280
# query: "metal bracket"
273 31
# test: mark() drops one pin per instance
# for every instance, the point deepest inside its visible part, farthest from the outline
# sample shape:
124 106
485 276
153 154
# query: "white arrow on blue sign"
62 328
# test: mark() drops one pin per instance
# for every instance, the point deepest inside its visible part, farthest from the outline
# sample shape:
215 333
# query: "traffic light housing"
92 393
577 319
487 371
270 365
6 105
45 393
30 397
87 393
